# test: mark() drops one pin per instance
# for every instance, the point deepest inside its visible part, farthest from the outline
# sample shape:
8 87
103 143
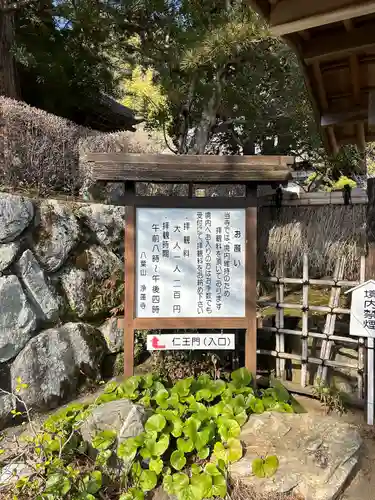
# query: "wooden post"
251 292
129 288
370 381
305 320
370 229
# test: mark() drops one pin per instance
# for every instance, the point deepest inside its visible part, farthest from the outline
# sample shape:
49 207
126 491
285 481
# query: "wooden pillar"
251 284
370 230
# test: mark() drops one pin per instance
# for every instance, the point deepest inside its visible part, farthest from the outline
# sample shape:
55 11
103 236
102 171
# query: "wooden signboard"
191 268
190 262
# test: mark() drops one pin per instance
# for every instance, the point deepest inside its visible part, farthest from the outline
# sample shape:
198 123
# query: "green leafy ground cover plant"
190 438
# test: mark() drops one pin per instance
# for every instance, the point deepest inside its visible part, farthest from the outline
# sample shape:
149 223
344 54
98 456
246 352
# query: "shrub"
190 437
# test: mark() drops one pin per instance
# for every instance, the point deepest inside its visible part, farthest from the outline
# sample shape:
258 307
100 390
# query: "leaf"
161 445
133 494
104 439
204 394
216 410
201 412
173 400
147 480
257 405
180 481
271 464
155 423
182 387
161 398
57 483
147 381
234 450
241 377
212 470
191 427
155 448
185 445
282 393
196 469
204 453
241 417
228 429
219 486
217 387
168 484
177 426
127 448
103 457
93 482
65 486
229 452
257 467
178 460
110 387
130 385
265 468
201 485
156 464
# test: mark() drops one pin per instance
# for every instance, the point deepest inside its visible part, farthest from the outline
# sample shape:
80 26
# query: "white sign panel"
190 263
362 311
191 342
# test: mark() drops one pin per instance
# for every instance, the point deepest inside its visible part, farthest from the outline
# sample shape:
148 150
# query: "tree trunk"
209 114
8 76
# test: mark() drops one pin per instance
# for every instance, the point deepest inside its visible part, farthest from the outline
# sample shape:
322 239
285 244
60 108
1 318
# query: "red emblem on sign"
155 343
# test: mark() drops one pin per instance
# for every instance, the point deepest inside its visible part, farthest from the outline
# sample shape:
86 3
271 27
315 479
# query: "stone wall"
61 275
61 285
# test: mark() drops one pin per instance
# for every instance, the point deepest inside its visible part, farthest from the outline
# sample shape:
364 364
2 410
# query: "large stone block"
17 319
56 361
56 235
106 221
41 294
317 454
113 335
8 252
90 282
16 214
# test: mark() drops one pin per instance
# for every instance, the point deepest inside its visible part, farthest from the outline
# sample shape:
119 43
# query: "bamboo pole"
329 327
305 320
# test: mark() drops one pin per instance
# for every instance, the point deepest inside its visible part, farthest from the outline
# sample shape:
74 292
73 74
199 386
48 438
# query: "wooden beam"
296 15
188 168
371 108
320 86
354 72
350 116
333 141
349 139
335 46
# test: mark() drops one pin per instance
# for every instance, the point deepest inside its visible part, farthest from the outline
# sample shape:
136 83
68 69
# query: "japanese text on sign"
362 311
190 263
190 341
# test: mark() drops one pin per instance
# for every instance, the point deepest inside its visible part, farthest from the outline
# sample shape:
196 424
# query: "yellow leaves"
143 95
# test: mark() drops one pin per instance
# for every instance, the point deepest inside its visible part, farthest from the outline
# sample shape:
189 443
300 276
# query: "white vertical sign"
190 263
362 324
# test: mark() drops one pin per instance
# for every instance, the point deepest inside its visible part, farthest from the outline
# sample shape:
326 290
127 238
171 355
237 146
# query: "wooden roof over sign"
335 42
120 167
